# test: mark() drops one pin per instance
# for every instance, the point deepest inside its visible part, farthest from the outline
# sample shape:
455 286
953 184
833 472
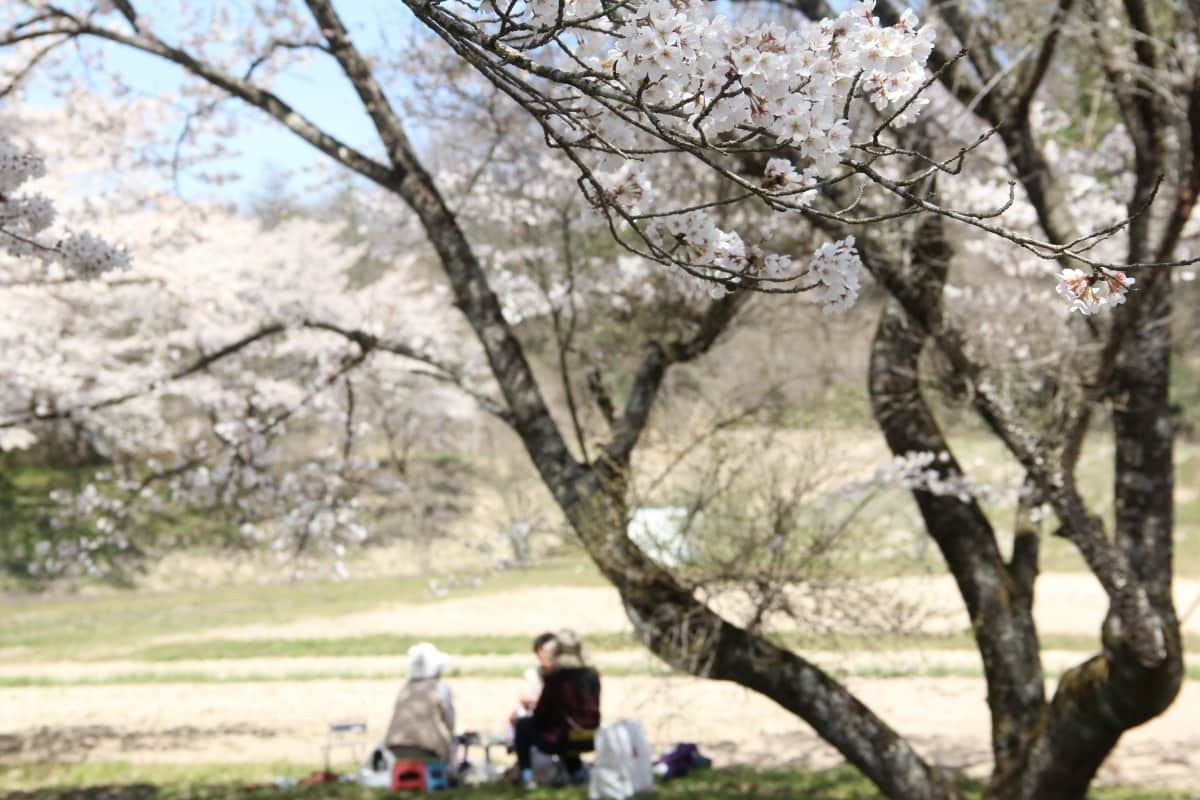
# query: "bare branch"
646 382
198 365
1030 81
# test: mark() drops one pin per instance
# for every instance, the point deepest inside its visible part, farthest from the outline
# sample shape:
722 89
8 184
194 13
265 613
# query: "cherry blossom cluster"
781 175
647 81
836 267
695 238
1089 292
831 278
24 220
16 439
522 201
730 76
736 79
918 471
77 551
534 190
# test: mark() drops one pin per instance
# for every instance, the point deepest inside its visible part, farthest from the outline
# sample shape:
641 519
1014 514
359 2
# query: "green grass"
649 670
103 625
392 645
389 645
839 784
119 781
396 645
369 645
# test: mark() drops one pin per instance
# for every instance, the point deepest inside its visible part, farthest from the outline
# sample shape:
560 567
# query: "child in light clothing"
532 689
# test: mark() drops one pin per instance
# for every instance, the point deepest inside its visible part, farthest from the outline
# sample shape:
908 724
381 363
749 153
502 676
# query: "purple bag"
681 760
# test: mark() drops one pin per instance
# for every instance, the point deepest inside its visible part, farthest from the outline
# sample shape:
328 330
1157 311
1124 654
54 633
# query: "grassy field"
119 622
128 782
483 644
384 645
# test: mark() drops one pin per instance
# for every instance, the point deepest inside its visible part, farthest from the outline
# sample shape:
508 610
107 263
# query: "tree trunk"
689 636
998 597
671 621
1045 751
1113 692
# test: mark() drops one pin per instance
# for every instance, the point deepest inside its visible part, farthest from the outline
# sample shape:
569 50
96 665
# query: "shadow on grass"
726 784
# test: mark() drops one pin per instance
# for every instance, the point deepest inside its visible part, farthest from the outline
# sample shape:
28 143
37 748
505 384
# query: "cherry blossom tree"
803 116
214 381
205 372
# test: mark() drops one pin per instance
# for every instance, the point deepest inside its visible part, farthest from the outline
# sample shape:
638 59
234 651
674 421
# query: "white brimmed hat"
426 661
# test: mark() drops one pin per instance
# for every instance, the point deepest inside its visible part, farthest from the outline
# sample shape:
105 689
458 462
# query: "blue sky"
318 90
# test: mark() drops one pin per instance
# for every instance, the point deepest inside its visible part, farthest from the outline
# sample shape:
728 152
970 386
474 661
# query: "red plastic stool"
419 776
408 776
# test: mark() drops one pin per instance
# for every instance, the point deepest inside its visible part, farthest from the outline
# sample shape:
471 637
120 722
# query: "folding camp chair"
350 736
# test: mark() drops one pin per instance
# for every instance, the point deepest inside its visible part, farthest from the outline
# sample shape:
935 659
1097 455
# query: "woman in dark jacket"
567 713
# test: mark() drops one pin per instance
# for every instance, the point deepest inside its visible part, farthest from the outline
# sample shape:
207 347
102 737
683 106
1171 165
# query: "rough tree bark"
1045 750
998 596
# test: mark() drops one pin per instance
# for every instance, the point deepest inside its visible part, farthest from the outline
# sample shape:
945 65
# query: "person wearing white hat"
422 723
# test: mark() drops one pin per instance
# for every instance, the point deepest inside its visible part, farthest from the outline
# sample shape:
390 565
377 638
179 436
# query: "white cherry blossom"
24 220
1089 292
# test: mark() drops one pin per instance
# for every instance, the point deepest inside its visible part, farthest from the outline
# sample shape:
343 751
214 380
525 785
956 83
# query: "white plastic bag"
376 771
622 767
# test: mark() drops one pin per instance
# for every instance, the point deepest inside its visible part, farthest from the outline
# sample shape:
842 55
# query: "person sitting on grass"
531 690
422 725
567 712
